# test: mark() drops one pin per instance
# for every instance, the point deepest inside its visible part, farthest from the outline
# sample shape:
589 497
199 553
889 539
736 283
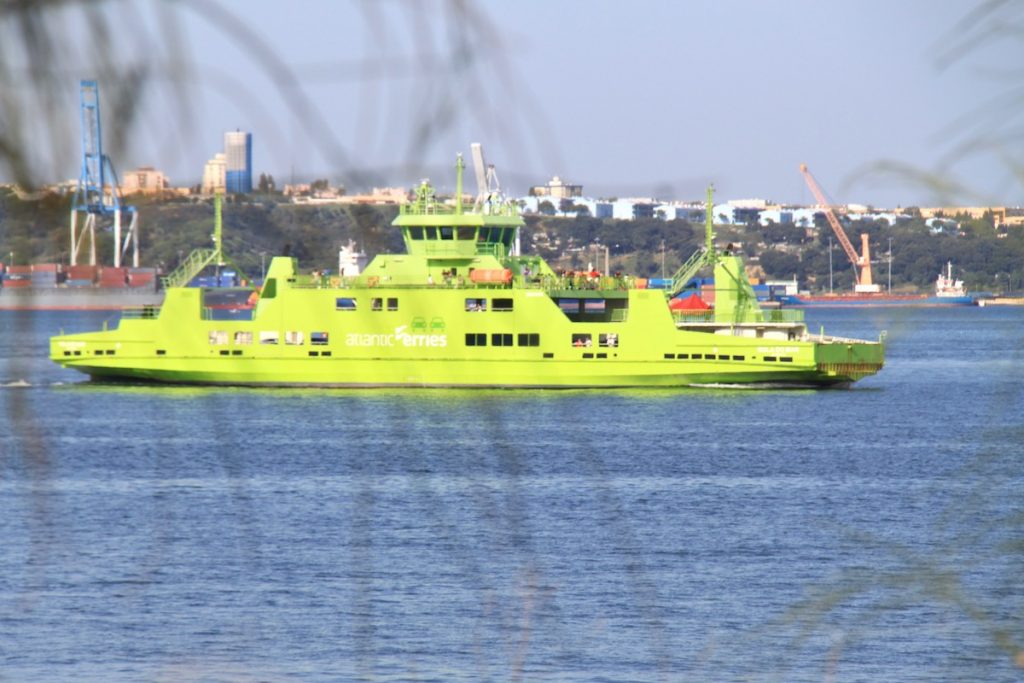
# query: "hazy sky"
627 98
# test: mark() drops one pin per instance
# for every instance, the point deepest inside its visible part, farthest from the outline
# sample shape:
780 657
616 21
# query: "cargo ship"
53 286
948 292
462 308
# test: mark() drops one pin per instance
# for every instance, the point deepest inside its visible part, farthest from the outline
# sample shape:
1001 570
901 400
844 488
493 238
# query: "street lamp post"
263 266
830 264
890 265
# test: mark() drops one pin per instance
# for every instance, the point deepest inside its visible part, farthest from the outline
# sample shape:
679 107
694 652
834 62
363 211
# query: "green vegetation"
987 259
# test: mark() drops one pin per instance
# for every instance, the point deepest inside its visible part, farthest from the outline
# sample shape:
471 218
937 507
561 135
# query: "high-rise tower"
238 162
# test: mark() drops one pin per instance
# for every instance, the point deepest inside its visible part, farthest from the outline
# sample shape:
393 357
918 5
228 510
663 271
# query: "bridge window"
431 233
466 233
447 233
416 233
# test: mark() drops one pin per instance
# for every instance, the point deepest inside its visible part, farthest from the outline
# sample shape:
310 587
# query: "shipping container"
45 267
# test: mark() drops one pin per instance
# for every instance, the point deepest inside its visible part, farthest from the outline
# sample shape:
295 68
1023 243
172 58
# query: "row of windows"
461 233
724 356
502 339
703 356
497 305
474 305
609 340
295 338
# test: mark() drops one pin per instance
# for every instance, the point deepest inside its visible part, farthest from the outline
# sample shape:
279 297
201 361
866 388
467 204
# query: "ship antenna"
218 228
459 165
709 231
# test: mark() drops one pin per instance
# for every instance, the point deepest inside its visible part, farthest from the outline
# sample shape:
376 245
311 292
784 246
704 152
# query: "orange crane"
862 263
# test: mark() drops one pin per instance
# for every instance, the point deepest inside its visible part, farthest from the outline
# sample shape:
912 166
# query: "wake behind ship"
462 309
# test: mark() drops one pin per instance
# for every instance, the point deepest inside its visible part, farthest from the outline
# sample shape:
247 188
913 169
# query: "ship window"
682 356
431 233
739 357
161 352
476 339
345 303
501 305
294 338
529 339
696 356
770 359
670 355
392 303
549 355
318 338
723 357
588 355
593 306
416 233
475 305
602 355
786 359
269 337
501 339
570 306
243 338
582 340
466 233
218 337
236 352
447 233
376 304
610 340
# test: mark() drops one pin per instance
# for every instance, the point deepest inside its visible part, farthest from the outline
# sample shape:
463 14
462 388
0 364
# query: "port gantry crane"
861 263
92 196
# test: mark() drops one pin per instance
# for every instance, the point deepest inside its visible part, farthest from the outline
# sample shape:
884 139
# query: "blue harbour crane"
99 192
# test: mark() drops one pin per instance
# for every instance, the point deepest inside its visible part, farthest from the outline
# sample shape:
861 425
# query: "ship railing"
140 312
770 316
439 209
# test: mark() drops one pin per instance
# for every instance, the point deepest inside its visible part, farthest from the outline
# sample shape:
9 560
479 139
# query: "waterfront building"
238 160
214 174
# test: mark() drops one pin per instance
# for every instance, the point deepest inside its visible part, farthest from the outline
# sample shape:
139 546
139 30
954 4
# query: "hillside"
37 231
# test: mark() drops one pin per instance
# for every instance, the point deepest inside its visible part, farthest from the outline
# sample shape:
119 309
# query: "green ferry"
463 309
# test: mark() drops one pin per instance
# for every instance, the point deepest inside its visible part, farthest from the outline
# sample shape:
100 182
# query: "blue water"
189 534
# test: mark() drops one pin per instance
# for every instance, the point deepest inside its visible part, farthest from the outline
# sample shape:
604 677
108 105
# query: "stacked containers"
45 274
81 276
142 277
113 277
18 276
